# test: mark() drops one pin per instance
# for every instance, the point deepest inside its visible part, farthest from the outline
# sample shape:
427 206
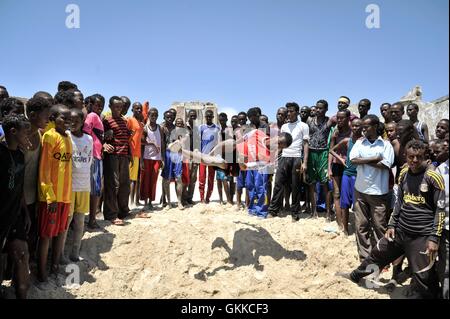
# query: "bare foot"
314 215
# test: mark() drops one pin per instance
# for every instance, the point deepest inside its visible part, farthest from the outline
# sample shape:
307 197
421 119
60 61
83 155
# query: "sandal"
142 215
117 222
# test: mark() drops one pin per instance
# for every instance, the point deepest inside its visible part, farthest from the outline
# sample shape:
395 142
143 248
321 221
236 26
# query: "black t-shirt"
12 172
420 206
318 134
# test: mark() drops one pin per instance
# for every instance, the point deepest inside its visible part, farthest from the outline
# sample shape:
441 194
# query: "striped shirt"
55 168
121 134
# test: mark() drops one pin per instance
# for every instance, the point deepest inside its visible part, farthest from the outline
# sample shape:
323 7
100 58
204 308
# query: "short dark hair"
99 97
10 104
56 110
45 95
374 120
366 101
207 111
16 121
253 111
324 102
242 113
5 93
78 113
65 97
223 115
126 100
414 105
399 104
416 145
346 111
66 86
114 98
37 104
287 137
294 105
385 103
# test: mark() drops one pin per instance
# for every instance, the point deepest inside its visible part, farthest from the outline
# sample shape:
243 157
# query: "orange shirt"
136 128
55 168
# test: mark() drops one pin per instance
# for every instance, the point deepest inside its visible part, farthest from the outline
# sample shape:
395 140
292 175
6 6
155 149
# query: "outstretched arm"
344 142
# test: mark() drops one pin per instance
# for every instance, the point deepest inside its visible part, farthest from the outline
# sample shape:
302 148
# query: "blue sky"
235 53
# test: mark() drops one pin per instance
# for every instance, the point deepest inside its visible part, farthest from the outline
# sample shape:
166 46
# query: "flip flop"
117 222
142 215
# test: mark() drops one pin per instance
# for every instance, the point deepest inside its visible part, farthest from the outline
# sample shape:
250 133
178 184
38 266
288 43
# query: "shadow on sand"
248 245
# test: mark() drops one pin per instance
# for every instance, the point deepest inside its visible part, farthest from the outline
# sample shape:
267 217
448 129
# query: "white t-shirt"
81 162
150 151
299 132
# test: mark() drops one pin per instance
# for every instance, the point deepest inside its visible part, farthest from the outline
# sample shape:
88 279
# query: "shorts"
96 177
240 182
173 166
221 175
53 224
79 203
317 167
134 169
347 191
337 169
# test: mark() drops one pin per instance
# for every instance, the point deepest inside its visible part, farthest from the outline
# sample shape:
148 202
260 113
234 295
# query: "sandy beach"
214 251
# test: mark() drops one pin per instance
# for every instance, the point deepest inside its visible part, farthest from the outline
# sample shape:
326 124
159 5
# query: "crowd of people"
63 160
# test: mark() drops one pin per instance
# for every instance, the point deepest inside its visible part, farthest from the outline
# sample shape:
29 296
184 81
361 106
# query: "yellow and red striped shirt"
55 168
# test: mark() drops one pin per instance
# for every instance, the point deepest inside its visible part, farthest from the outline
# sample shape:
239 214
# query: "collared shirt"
299 132
371 180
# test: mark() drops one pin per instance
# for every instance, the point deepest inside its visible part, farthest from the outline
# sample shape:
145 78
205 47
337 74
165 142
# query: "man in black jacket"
416 224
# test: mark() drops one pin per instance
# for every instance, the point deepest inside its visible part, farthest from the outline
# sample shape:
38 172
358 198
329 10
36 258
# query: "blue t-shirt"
209 136
350 170
1 131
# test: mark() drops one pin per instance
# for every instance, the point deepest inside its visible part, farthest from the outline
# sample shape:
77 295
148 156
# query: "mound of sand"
213 251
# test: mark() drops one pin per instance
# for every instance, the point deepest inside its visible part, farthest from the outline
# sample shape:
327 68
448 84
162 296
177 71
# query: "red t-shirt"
254 147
